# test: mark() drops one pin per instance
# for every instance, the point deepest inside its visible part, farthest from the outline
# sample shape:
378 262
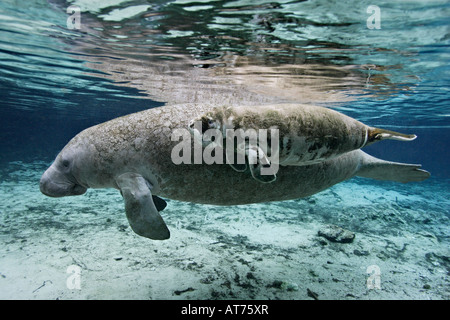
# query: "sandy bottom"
82 247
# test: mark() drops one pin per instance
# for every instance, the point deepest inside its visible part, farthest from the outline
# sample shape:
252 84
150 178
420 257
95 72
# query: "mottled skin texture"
133 152
307 134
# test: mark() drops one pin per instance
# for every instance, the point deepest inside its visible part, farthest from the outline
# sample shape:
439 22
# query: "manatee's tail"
376 134
374 168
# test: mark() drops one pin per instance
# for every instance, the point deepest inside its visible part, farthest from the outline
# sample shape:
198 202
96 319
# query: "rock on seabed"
336 234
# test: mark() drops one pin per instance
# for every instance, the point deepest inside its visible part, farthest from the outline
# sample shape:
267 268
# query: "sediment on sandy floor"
259 251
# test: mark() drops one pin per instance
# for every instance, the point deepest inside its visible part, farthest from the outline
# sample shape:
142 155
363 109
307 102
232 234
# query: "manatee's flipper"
377 169
160 204
140 207
258 160
376 134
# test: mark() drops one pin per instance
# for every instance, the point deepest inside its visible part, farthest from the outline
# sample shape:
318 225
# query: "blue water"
399 73
129 56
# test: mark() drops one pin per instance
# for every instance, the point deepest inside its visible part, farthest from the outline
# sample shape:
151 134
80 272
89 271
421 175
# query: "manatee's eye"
65 163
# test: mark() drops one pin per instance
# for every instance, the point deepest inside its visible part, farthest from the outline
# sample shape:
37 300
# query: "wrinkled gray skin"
133 154
307 134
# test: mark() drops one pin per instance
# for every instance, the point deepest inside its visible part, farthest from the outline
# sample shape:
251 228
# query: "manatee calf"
306 135
133 154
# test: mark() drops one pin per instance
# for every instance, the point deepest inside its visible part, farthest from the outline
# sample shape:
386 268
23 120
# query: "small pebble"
336 234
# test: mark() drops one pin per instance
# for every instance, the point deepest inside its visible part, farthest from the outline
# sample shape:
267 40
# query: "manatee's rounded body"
221 185
141 143
307 134
134 154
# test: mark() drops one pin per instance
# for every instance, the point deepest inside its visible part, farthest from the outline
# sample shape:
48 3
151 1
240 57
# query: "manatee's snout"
55 184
